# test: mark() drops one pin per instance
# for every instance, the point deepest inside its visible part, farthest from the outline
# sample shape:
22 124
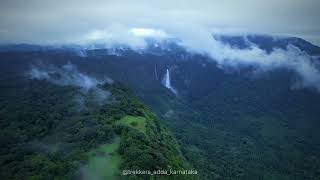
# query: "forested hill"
230 122
59 131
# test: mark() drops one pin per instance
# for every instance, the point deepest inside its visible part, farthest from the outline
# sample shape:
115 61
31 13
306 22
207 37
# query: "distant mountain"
269 42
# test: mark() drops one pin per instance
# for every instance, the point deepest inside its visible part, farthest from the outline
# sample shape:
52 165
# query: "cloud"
145 32
120 35
68 75
291 58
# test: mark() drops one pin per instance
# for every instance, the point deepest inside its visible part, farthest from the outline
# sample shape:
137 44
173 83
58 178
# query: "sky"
65 21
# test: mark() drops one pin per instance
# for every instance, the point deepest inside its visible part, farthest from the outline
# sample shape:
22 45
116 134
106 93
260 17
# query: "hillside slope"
61 132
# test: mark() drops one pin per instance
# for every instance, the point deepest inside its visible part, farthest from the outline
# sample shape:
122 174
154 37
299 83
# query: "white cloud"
120 35
147 32
67 75
291 58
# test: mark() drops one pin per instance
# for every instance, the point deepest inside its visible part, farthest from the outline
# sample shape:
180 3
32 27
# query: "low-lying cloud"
201 41
118 35
292 58
68 75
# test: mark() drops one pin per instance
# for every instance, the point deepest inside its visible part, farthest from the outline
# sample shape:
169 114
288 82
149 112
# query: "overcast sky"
42 21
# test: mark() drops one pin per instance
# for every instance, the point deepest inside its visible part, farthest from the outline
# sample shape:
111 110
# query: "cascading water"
167 82
167 79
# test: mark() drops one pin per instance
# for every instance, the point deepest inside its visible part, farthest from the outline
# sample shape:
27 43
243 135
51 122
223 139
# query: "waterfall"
167 82
155 72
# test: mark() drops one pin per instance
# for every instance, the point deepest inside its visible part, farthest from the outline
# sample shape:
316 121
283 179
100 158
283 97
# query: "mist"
69 75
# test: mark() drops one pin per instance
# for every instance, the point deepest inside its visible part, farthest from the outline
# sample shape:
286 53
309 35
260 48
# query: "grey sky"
42 21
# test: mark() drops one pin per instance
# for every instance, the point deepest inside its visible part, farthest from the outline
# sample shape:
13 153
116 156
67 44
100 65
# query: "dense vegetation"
45 134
